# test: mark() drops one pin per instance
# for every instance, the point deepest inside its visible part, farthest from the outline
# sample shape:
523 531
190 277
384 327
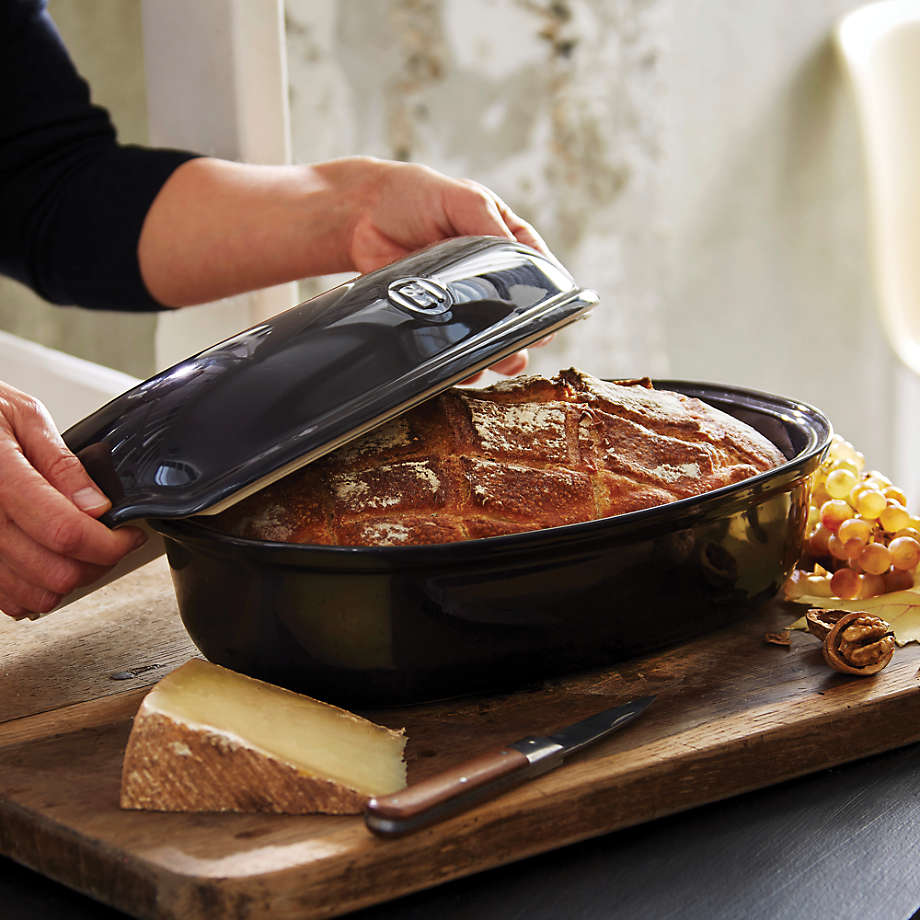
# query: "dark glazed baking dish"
386 625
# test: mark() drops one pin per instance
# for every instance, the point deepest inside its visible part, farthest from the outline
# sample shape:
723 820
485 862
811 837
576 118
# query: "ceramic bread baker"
372 625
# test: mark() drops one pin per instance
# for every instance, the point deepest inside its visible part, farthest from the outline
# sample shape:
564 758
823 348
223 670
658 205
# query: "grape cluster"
861 541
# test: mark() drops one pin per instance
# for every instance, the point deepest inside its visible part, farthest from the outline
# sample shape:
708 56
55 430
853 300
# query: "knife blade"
462 787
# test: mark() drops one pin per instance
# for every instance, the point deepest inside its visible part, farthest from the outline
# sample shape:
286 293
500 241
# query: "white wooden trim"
217 84
69 387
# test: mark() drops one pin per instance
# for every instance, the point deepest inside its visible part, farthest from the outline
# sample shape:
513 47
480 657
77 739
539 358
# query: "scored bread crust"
524 454
173 766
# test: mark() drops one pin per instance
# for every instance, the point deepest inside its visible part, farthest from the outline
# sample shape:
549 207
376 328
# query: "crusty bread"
524 454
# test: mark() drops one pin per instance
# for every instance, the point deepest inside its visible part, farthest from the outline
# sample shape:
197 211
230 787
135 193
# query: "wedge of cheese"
209 739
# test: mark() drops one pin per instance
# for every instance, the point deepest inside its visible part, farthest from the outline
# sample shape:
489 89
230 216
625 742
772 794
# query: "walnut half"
857 643
821 621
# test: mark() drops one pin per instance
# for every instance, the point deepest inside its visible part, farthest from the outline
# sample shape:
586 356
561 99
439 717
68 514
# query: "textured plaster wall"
557 106
696 162
104 39
767 279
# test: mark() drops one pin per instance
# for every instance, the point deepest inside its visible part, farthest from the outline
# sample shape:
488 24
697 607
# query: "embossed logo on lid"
420 295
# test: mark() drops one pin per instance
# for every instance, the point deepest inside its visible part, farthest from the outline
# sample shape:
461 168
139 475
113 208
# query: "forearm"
219 228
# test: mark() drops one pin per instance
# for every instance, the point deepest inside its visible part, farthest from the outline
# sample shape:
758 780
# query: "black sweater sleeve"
72 200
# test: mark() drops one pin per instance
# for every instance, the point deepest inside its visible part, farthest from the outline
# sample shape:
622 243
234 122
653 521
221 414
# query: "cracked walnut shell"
820 621
858 643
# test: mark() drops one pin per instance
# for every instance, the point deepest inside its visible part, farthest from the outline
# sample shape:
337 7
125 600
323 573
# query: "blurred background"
698 163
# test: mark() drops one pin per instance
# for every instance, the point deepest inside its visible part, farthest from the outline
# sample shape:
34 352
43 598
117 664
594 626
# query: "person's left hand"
407 206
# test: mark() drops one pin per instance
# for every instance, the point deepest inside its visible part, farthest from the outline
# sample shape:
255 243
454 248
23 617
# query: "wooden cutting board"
732 714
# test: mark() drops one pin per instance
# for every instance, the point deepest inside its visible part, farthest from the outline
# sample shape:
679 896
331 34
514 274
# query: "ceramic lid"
226 422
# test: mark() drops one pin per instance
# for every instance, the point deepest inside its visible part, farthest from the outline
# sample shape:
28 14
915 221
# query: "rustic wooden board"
732 714
129 627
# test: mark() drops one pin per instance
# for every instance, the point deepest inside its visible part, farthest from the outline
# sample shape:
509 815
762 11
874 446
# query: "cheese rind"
209 739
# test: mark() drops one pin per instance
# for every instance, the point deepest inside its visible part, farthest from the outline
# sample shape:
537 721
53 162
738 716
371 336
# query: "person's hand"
407 206
50 542
403 207
219 228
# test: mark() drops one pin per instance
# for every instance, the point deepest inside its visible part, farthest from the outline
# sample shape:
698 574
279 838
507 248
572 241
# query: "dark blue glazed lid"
218 426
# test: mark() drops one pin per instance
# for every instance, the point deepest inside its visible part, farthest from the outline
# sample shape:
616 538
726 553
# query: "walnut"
821 621
854 642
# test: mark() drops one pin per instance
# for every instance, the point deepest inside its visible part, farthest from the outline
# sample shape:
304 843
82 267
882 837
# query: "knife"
461 787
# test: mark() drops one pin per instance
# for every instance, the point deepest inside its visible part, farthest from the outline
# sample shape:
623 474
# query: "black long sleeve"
72 199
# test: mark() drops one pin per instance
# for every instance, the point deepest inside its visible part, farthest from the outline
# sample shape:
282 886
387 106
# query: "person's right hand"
50 542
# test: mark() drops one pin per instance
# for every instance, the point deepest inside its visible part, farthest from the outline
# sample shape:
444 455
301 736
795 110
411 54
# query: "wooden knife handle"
445 794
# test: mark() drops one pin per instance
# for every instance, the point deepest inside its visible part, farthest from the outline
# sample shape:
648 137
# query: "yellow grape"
845 583
894 517
871 503
855 492
871 586
845 464
838 549
855 529
898 580
859 520
841 449
875 559
908 532
853 548
840 482
834 513
904 552
837 447
817 542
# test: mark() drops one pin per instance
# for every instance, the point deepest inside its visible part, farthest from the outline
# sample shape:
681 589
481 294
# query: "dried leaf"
900 608
780 638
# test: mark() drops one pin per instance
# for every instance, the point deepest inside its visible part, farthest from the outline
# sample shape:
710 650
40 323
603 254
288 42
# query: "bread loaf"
523 454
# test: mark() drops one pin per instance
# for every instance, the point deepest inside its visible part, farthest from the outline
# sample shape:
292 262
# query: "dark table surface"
840 844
